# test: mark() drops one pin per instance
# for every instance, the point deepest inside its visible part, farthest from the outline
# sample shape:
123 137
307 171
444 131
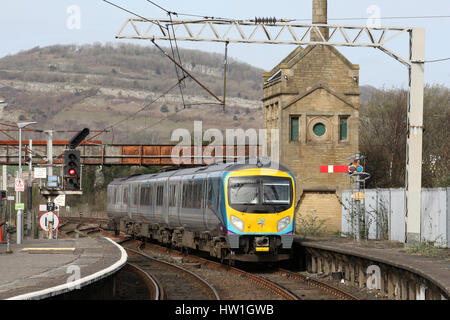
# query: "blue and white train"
234 211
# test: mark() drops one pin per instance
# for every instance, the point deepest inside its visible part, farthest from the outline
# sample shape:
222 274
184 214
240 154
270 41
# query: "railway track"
157 292
305 288
230 283
172 281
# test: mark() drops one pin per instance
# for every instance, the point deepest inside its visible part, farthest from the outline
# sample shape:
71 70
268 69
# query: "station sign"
19 185
40 173
19 206
60 200
46 218
358 195
43 208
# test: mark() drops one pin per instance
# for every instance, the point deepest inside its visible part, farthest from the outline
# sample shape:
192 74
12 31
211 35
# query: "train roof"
216 167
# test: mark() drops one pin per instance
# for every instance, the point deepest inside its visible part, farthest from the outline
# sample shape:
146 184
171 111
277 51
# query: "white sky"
26 24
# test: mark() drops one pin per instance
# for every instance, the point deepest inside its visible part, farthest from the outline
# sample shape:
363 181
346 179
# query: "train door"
211 206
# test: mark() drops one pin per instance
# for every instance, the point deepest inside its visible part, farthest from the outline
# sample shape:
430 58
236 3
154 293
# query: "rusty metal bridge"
94 152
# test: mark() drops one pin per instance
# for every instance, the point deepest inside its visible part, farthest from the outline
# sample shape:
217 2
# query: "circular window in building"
319 129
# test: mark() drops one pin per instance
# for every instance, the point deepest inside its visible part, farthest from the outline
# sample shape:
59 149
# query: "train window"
117 196
125 195
149 195
146 195
135 189
244 190
172 199
187 195
143 195
276 191
197 194
159 195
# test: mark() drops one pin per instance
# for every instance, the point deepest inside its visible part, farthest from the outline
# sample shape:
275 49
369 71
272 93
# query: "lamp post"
19 224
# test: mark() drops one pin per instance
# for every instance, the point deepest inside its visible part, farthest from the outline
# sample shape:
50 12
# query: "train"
240 211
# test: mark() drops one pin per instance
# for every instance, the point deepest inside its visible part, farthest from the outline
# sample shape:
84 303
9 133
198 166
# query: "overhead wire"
179 58
437 60
133 13
170 13
381 18
143 108
188 14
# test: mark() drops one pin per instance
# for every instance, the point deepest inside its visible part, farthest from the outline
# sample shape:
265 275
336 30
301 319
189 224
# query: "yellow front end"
260 223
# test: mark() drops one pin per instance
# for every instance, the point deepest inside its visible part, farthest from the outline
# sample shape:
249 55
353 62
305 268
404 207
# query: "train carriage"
235 211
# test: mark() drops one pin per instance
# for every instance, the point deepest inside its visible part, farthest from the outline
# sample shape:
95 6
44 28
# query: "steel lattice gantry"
232 31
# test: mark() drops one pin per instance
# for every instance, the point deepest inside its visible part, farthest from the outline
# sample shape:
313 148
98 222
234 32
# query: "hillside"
68 87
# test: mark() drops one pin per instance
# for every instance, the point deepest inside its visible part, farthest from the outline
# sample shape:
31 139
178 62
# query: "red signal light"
72 172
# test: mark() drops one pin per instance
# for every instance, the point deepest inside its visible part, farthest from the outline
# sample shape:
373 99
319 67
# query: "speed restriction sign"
46 218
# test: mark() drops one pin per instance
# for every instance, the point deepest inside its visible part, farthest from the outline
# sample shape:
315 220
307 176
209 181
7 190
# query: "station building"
312 98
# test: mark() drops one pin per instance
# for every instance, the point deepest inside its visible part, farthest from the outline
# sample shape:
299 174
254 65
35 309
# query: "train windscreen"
258 194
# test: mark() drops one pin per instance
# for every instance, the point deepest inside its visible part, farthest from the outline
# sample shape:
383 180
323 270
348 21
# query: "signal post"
69 183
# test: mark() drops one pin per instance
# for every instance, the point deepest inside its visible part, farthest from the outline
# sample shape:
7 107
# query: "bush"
164 108
310 225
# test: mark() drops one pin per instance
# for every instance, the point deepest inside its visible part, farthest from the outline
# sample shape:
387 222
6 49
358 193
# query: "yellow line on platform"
48 249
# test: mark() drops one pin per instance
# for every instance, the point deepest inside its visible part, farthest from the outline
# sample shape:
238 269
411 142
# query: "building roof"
323 86
299 53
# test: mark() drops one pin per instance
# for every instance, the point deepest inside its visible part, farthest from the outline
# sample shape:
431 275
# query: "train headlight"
237 223
283 223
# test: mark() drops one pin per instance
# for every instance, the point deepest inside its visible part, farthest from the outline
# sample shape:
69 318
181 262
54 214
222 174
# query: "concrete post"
19 219
4 178
413 176
49 152
30 219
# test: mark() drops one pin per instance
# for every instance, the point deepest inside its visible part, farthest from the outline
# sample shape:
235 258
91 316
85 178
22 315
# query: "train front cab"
259 206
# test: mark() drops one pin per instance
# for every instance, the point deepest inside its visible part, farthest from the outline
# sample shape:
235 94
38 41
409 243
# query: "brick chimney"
319 16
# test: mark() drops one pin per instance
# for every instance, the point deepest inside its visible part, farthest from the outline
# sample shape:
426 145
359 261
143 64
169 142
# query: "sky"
26 24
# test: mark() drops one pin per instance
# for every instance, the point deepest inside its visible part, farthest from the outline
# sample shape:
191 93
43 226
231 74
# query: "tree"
383 137
164 108
436 137
383 132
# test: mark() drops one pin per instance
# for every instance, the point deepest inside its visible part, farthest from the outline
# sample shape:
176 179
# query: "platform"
38 269
436 270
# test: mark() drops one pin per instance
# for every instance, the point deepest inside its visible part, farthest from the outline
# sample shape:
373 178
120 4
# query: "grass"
428 249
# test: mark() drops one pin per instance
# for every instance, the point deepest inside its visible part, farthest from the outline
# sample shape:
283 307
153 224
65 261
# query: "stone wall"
318 85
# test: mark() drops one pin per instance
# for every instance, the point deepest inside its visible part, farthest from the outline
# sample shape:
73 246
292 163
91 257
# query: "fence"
383 212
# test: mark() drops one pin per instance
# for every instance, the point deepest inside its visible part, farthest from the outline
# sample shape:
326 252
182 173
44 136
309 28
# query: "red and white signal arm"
46 218
333 169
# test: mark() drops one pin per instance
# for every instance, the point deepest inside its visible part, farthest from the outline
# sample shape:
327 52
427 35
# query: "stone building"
312 97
